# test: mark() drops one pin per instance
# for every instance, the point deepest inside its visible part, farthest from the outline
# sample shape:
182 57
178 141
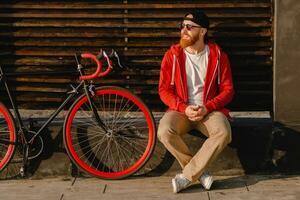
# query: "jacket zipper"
180 75
212 78
173 70
173 76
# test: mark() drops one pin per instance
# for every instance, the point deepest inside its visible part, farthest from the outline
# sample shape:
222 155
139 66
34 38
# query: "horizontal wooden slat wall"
43 36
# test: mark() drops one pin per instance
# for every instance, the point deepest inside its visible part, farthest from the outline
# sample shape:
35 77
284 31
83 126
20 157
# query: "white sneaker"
206 180
180 182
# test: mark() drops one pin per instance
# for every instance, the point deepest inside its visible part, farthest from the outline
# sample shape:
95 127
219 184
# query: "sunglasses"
188 27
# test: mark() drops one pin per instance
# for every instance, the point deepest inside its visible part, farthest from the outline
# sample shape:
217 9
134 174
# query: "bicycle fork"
90 93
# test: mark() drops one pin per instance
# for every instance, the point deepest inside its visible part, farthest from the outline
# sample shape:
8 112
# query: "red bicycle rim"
130 169
11 137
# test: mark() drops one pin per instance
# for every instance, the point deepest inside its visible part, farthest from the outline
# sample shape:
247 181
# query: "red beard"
187 41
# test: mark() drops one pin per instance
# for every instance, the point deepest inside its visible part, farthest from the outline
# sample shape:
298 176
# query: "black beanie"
199 18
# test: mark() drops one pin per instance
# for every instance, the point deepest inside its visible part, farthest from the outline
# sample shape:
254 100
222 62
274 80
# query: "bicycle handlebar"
98 72
96 59
99 66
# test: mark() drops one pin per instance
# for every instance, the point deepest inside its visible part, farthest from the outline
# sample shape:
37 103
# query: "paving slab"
50 189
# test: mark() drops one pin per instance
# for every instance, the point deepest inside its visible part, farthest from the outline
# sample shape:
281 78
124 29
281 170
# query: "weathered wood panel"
43 37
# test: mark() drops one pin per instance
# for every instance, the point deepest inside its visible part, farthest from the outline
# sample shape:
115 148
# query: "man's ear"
203 31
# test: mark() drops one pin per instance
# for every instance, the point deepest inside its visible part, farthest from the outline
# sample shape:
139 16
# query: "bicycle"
108 132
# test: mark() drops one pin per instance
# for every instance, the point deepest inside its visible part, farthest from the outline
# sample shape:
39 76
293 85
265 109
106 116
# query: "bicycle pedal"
22 172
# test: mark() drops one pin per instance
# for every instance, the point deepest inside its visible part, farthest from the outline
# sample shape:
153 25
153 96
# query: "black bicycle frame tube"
99 121
58 110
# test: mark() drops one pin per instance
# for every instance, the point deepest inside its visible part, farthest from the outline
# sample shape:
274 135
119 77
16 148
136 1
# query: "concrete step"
248 152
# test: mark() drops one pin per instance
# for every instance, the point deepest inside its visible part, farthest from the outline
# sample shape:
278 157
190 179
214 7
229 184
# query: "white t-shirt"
196 66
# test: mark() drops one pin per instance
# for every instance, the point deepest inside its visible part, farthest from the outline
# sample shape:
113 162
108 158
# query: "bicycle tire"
7 136
126 145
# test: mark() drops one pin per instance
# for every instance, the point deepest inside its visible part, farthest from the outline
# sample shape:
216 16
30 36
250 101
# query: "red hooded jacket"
218 85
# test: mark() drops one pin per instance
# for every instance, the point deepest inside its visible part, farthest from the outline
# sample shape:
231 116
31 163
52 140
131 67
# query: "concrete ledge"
249 151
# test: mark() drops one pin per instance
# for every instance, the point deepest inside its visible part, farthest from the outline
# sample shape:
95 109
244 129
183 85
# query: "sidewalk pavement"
266 187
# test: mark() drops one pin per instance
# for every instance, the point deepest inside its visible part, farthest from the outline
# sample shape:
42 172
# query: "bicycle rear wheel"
125 145
7 136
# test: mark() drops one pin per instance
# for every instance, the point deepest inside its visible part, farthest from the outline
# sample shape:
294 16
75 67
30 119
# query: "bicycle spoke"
103 154
128 122
85 122
92 130
120 153
134 146
83 141
95 144
122 110
95 155
83 148
115 109
91 152
129 154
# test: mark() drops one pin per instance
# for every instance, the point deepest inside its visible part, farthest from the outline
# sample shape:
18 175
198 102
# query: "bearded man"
195 83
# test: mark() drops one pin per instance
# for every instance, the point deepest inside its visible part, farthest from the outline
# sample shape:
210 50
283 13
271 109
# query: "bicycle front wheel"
120 147
7 136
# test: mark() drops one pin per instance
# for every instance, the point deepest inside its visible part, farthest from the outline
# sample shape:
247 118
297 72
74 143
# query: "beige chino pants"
174 125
